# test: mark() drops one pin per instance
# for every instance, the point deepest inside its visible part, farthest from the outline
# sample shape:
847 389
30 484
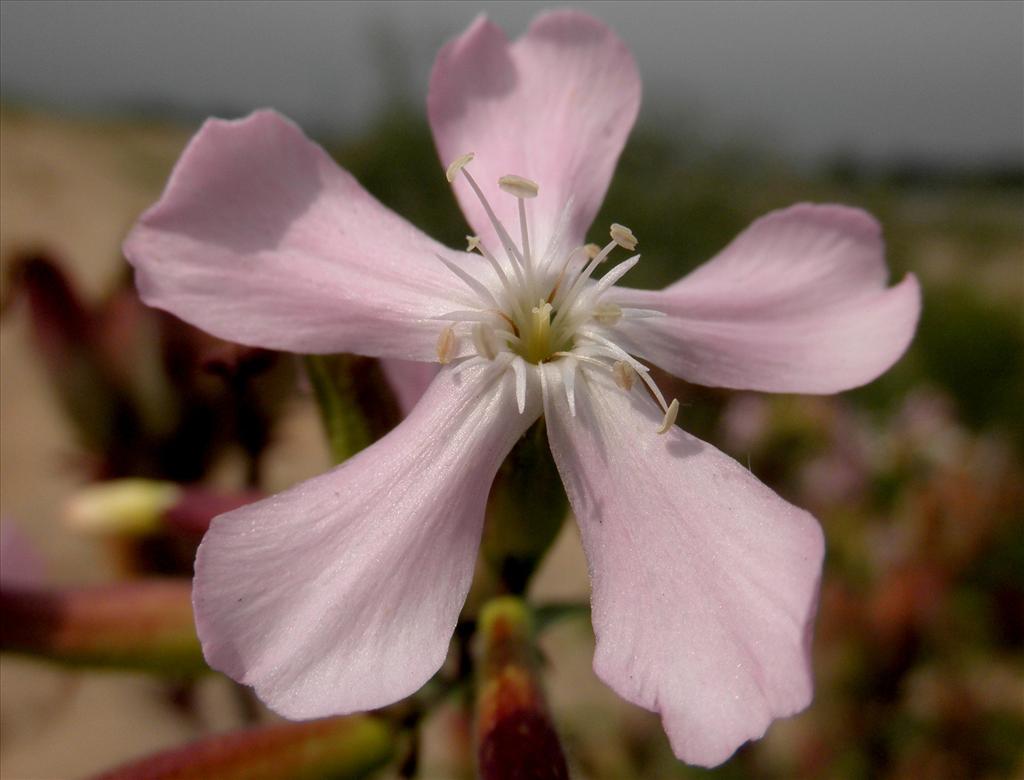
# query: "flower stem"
357 406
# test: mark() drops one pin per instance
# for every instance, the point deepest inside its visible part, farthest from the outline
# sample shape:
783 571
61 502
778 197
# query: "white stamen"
471 362
526 244
625 377
623 236
473 284
580 357
519 369
640 314
506 239
472 243
457 165
607 313
592 250
446 344
510 291
485 340
616 273
519 186
558 287
580 281
670 416
642 371
556 238
568 366
468 315
543 387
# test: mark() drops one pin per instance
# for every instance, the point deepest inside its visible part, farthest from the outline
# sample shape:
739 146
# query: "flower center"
547 307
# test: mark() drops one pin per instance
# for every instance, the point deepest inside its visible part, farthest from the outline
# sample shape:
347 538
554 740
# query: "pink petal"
261 239
555 106
796 303
409 380
341 594
704 581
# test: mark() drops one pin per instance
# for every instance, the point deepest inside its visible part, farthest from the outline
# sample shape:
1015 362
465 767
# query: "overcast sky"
941 82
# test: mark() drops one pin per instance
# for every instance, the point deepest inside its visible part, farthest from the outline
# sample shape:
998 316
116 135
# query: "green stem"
356 403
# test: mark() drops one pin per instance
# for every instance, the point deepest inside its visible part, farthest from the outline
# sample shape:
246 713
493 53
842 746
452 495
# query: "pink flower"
342 593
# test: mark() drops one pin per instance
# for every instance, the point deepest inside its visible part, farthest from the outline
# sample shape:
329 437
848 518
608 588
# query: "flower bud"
515 736
122 506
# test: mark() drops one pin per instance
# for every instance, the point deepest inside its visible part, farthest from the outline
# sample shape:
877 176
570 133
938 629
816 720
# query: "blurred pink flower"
342 593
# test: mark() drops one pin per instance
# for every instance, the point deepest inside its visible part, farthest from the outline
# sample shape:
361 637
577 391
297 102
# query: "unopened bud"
121 506
516 737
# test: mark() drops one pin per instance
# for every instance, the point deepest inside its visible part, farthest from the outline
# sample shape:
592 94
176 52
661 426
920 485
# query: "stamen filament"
568 367
519 370
486 295
561 275
565 303
616 273
526 245
642 371
630 313
556 238
467 315
506 239
583 358
510 291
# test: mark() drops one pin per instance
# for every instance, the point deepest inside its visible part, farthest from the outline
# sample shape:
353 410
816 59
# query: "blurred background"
914 111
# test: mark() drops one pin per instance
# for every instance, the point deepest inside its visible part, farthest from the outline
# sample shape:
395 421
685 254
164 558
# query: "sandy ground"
75 187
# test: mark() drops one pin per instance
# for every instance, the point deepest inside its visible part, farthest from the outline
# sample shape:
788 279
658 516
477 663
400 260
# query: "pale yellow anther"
670 416
608 313
623 236
446 344
472 243
592 250
624 375
518 186
485 341
457 165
